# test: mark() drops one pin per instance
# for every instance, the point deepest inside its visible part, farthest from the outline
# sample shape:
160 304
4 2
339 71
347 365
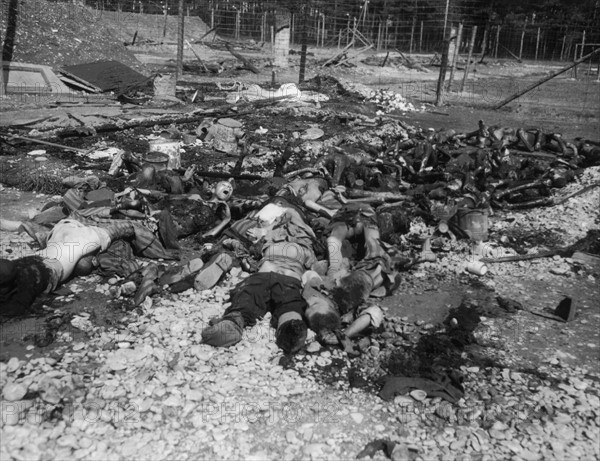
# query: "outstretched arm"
220 225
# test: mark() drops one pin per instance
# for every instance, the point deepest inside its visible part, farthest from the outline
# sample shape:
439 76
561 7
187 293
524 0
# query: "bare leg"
372 245
358 326
334 247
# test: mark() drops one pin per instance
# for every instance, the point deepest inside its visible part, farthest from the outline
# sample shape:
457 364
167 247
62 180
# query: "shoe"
328 337
222 334
209 275
291 336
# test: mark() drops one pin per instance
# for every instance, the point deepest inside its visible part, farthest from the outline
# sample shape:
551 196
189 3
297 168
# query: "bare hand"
189 173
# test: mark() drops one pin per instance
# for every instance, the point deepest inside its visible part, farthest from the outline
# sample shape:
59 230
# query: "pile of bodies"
317 248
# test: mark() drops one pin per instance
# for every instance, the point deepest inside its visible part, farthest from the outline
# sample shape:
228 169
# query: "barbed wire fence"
409 26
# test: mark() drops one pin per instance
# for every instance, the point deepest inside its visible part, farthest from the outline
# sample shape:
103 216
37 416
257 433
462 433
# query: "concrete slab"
32 79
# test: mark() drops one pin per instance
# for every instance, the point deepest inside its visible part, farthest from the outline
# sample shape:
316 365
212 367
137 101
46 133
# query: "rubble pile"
390 101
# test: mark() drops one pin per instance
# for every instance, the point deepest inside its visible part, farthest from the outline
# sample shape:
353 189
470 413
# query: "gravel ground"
145 388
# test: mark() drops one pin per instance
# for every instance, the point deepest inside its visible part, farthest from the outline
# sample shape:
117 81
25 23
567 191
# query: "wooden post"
549 77
166 16
562 49
522 39
544 48
421 39
446 17
237 24
340 39
272 39
537 43
582 45
484 42
455 55
442 77
323 34
2 87
318 29
471 46
212 18
348 32
363 12
262 28
497 41
354 34
180 33
303 40
387 33
379 36
412 34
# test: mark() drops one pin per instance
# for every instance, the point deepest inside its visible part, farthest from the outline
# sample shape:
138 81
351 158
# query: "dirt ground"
508 346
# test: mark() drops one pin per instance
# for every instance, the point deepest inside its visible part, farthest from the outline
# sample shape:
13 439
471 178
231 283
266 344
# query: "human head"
223 190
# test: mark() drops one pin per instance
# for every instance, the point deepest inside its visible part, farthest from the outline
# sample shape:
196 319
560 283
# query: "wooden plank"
106 75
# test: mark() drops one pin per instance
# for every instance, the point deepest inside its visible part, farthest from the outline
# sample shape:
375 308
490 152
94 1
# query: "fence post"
412 34
180 34
522 38
537 43
212 18
292 27
582 45
484 42
318 28
303 41
444 65
386 40
446 17
166 16
562 48
421 39
323 34
455 55
348 31
471 46
497 41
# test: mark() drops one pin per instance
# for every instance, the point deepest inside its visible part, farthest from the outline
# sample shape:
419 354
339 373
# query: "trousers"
264 292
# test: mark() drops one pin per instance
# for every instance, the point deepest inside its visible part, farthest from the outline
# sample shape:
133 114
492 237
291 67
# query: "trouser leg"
286 298
248 304
249 300
288 308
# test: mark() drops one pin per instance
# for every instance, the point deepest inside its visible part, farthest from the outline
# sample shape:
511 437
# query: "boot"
224 332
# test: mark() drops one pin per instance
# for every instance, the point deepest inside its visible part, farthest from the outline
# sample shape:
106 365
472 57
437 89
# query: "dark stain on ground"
49 327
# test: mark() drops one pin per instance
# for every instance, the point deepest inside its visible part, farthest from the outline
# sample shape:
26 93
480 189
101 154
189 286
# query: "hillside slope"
58 34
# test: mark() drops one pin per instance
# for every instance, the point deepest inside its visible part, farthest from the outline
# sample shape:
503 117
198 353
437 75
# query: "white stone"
14 391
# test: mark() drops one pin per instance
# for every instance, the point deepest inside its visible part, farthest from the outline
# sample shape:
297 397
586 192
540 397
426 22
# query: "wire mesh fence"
554 30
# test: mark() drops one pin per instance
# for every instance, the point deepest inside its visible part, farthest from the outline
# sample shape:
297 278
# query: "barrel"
158 160
171 148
